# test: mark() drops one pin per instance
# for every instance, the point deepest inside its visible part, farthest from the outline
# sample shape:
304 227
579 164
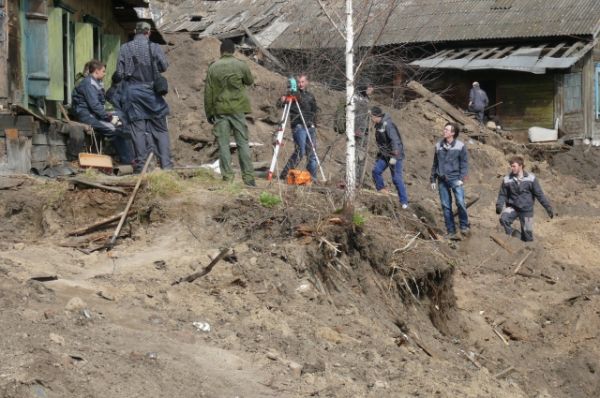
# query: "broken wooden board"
445 106
95 160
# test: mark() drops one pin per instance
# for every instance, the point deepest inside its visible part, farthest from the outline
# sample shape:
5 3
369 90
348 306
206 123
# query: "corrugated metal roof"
222 18
523 59
424 21
410 21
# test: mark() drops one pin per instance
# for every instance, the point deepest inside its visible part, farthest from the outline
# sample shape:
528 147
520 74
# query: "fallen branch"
500 335
501 244
471 357
504 372
192 277
410 242
84 183
99 224
522 262
468 204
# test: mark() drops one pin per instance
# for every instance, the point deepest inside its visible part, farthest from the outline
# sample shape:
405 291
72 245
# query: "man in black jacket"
390 153
517 193
308 106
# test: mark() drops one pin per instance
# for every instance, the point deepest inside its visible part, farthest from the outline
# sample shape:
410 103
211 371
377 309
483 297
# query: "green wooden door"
84 45
55 55
110 53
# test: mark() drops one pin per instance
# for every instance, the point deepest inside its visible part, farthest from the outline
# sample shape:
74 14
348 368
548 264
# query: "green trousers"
224 127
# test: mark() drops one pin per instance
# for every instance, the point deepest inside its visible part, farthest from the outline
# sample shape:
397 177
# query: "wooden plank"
441 103
55 55
84 45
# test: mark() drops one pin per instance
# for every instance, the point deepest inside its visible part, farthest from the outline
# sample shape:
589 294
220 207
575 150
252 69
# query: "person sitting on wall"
88 102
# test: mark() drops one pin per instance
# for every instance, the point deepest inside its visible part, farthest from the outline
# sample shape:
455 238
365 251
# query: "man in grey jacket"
448 173
517 194
478 101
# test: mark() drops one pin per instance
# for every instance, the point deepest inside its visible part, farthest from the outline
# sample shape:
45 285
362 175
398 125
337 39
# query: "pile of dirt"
305 302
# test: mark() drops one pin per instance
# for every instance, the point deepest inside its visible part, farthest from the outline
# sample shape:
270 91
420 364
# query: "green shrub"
358 219
269 200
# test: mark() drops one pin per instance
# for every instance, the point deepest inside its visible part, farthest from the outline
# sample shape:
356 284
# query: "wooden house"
540 59
44 45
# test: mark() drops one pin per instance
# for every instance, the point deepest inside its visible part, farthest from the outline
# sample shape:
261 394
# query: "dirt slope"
305 305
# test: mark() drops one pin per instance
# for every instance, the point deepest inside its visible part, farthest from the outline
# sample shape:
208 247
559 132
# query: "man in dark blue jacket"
448 173
390 154
517 194
88 107
478 101
146 111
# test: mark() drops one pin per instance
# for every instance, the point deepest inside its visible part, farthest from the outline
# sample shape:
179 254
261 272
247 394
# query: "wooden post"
112 240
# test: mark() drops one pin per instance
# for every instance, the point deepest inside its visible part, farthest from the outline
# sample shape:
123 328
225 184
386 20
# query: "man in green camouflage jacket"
225 105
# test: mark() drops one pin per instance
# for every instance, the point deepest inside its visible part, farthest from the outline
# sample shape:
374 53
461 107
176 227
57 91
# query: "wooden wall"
527 99
99 9
596 123
3 52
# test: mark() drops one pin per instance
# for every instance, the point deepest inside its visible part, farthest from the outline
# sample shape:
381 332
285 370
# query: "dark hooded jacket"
389 141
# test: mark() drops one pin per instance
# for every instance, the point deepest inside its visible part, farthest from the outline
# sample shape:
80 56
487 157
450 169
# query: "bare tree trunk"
350 148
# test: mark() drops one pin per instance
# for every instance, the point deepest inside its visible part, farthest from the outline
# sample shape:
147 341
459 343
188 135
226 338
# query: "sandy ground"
305 304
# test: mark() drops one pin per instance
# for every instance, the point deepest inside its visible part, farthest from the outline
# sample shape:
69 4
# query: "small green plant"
358 219
164 183
269 200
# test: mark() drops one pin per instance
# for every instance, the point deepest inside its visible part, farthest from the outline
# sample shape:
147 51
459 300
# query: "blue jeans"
302 148
445 188
396 170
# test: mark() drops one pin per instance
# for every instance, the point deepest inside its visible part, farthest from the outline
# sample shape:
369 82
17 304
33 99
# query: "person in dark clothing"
302 142
88 102
448 173
478 101
390 154
517 194
145 111
361 126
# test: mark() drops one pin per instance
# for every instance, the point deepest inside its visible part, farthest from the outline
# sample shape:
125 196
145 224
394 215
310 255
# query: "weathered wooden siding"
55 55
84 45
596 61
527 100
110 53
102 10
3 52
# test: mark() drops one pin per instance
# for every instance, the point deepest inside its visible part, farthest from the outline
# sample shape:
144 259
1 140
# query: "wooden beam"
502 52
262 49
555 49
572 49
444 105
487 53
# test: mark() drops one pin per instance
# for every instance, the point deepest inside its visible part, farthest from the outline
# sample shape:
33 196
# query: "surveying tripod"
289 100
